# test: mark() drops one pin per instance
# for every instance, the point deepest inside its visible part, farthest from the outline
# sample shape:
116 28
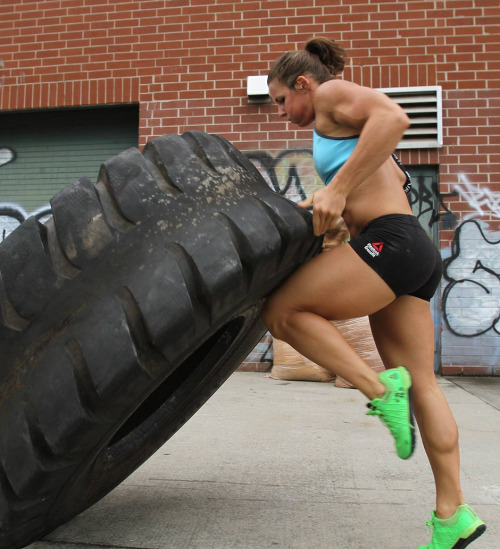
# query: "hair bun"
328 52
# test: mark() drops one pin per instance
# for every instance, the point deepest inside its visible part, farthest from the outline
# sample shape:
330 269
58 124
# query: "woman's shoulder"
338 87
342 96
335 91
329 97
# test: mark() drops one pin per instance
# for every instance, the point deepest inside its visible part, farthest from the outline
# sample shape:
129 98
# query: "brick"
477 370
450 370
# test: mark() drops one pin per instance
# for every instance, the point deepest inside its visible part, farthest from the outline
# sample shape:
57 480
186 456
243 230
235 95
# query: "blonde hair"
321 58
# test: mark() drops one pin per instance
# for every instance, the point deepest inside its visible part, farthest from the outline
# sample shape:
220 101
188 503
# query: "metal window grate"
423 104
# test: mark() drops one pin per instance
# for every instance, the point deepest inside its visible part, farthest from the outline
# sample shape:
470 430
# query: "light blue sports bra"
330 154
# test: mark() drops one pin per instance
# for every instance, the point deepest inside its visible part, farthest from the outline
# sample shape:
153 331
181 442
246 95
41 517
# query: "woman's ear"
302 83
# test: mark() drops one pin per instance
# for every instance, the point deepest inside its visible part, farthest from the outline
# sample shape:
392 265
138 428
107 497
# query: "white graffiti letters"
471 301
482 200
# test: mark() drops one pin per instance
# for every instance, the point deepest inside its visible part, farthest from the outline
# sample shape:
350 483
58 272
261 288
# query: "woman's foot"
455 532
395 409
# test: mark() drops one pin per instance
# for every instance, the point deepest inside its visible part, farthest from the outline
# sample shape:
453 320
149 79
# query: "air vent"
424 107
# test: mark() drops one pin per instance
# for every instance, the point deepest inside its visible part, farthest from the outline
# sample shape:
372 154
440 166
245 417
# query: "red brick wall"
186 63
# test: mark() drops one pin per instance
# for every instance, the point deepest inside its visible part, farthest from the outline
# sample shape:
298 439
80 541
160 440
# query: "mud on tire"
125 312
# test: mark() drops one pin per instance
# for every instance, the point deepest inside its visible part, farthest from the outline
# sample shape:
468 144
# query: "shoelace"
392 422
372 411
429 524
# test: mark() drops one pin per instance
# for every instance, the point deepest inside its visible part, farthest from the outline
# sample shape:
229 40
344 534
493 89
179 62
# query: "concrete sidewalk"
291 465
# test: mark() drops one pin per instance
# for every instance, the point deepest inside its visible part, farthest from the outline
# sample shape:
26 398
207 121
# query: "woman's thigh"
336 285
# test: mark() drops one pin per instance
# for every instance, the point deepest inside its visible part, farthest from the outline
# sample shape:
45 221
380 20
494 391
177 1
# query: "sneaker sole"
405 375
462 543
412 422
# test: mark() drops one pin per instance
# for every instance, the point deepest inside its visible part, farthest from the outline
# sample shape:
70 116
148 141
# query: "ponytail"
329 53
321 58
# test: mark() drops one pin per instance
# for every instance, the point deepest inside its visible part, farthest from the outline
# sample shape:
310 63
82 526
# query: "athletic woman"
389 270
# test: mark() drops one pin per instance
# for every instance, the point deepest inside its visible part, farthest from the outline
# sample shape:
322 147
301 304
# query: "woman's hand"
327 209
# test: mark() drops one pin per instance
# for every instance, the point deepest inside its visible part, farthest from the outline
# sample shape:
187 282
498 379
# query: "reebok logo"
375 248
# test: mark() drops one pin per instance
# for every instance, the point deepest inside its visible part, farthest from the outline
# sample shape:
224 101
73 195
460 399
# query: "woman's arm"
380 122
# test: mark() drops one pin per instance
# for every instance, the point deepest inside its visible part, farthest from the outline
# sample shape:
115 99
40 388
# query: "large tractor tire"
123 314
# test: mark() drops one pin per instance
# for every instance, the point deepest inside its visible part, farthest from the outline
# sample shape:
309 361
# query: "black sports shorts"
398 249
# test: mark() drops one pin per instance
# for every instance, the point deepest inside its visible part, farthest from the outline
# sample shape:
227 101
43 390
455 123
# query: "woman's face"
293 104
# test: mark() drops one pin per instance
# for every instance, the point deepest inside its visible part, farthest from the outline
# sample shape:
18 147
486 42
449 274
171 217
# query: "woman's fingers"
320 223
307 203
327 209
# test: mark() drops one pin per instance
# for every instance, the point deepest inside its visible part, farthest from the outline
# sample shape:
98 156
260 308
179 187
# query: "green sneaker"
395 409
455 532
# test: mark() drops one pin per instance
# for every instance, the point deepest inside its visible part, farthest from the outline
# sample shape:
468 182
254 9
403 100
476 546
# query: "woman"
389 270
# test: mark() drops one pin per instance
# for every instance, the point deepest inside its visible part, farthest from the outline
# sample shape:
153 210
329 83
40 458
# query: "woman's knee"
442 440
274 317
268 316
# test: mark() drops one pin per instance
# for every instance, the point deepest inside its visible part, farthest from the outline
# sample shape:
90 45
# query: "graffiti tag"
471 301
291 173
12 215
481 200
7 155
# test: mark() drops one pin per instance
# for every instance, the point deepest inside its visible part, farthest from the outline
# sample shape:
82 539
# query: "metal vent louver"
423 104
